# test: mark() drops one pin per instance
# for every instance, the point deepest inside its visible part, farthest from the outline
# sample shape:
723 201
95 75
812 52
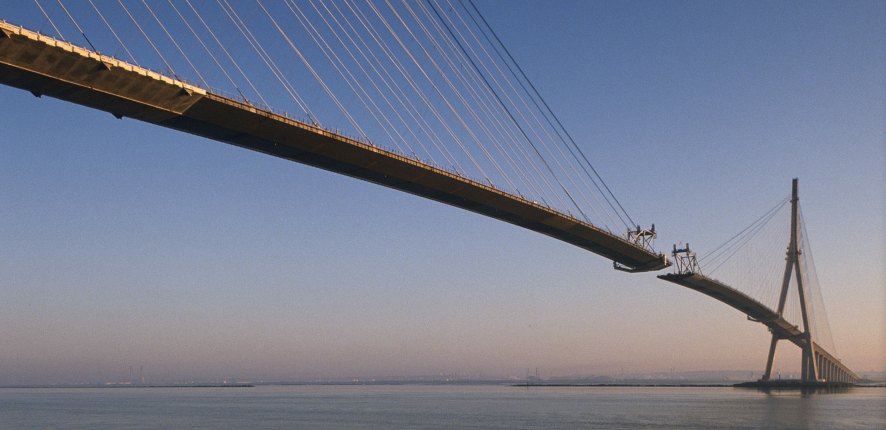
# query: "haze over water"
440 407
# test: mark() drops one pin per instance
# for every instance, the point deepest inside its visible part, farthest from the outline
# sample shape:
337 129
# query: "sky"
126 245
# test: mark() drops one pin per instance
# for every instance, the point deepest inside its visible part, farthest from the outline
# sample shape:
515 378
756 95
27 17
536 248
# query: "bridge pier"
817 365
810 365
768 374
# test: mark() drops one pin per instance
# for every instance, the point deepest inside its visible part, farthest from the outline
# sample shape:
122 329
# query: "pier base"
796 384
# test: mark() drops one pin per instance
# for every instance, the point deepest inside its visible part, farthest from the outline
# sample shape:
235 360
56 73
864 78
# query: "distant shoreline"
244 385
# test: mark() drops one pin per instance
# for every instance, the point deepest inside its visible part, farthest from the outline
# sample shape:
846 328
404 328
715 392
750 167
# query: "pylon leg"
806 366
768 375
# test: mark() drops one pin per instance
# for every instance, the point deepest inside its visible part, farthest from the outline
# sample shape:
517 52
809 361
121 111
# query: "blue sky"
125 244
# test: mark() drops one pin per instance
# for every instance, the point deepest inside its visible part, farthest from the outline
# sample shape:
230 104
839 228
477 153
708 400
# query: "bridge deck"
750 307
46 66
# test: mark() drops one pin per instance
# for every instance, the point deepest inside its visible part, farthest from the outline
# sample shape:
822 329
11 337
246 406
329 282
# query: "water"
438 407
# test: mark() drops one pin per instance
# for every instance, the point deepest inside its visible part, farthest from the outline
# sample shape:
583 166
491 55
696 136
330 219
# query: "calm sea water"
438 407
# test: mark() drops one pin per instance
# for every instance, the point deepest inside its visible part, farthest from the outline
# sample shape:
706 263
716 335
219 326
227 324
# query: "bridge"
818 365
46 65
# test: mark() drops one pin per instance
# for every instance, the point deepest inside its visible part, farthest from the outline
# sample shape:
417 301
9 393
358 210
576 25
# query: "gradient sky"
128 245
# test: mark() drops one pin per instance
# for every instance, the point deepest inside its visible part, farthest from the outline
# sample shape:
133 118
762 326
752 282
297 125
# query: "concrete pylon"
809 364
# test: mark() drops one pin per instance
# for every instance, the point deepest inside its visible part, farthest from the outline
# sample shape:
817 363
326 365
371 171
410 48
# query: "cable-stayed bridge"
429 99
787 302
